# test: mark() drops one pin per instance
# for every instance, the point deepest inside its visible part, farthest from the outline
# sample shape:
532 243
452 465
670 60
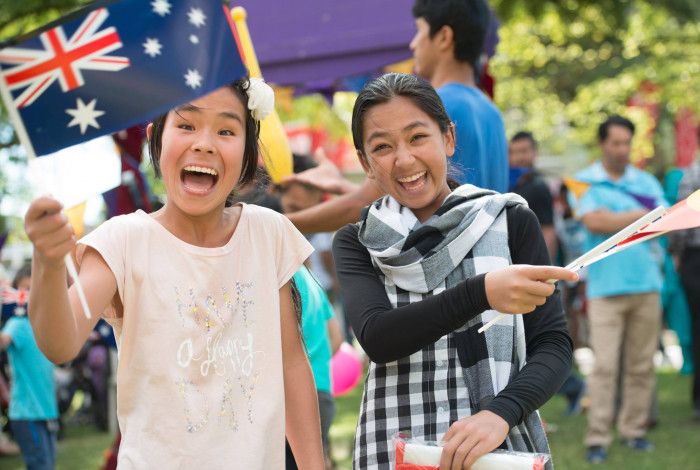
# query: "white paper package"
414 454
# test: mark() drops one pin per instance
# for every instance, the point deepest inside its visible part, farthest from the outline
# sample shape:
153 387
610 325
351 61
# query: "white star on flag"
161 7
194 39
197 17
84 115
193 79
152 47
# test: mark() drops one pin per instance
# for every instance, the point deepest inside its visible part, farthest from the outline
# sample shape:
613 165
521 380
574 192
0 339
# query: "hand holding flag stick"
29 148
683 215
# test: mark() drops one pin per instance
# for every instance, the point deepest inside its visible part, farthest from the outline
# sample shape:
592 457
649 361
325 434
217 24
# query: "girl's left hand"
470 438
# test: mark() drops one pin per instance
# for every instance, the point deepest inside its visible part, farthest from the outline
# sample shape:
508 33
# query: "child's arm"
334 334
333 214
58 321
303 425
5 341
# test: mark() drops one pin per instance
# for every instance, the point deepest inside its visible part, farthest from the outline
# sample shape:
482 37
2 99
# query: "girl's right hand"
49 231
522 288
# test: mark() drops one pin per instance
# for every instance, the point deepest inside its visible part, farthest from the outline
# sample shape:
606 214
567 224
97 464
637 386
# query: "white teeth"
201 169
408 179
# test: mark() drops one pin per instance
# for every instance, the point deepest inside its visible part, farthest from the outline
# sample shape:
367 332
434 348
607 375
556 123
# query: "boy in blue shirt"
447 50
33 409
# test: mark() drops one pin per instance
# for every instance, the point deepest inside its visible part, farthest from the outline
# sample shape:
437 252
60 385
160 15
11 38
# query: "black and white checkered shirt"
460 373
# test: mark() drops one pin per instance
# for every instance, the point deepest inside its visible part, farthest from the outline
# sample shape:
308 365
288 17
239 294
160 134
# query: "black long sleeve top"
387 333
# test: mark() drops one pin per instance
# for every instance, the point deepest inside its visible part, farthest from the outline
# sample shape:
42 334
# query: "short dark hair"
614 120
252 133
469 20
303 163
23 272
524 135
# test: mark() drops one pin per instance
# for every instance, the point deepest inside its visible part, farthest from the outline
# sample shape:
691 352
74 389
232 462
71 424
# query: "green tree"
20 17
615 10
561 66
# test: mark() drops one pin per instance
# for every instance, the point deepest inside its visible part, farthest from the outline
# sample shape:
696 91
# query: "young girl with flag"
422 271
212 371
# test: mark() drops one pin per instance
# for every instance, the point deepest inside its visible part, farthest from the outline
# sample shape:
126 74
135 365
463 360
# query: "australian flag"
119 64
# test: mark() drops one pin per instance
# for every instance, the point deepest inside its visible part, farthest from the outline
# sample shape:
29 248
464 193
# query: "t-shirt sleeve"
588 202
542 204
109 240
292 250
13 329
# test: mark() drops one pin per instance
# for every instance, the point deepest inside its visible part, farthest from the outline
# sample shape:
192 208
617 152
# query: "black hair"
381 90
468 19
614 120
524 135
23 272
252 133
303 163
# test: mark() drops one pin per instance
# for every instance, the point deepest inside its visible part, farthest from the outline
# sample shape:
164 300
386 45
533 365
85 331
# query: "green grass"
677 438
342 432
83 447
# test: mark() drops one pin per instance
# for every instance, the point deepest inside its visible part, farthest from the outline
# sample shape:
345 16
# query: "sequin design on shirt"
218 347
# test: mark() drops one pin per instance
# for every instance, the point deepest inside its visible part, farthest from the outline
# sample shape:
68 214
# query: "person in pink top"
212 371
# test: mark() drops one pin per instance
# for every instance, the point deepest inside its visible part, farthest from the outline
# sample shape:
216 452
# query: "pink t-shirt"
199 380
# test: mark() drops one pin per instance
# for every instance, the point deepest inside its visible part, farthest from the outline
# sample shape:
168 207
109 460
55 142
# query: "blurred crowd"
617 309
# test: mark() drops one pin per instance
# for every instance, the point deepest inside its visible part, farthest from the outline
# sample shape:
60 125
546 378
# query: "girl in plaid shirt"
426 267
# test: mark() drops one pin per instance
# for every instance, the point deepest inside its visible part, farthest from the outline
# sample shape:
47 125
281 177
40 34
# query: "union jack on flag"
62 59
110 67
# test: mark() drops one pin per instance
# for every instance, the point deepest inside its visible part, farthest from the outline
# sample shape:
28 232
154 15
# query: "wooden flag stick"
619 248
626 232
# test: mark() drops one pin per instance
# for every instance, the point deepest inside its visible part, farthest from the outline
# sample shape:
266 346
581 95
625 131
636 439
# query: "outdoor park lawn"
676 437
83 447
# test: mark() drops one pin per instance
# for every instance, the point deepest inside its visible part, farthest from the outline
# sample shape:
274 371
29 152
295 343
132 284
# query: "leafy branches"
20 17
558 74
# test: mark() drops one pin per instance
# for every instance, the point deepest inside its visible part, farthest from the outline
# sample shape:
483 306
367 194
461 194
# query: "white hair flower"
261 99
